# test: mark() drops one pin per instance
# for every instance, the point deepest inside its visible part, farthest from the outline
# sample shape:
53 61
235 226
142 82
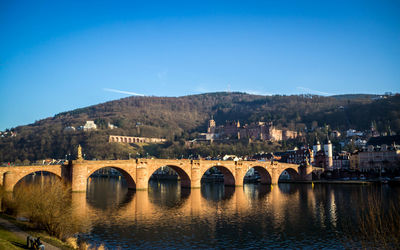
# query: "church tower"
211 126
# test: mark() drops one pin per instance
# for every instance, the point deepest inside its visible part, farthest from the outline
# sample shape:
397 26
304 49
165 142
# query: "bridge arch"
293 174
265 176
130 181
229 178
183 175
11 180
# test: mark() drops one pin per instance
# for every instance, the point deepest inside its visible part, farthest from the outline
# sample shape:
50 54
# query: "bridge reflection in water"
213 216
217 216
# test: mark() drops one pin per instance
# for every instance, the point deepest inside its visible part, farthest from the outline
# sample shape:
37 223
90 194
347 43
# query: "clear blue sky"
61 55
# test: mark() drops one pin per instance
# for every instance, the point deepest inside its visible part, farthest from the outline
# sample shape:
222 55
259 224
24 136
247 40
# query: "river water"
253 216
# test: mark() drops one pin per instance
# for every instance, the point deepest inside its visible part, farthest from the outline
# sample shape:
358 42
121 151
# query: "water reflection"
215 216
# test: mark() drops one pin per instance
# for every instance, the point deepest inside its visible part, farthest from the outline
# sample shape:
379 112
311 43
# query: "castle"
262 131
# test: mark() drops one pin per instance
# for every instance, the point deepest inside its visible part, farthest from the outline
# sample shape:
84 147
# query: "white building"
353 132
89 125
69 129
111 126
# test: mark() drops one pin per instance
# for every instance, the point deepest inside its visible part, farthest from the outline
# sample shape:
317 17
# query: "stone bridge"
137 172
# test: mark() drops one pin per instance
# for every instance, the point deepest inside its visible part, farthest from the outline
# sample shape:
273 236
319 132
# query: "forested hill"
177 118
170 116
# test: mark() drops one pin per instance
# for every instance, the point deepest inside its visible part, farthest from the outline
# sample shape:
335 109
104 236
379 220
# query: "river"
215 216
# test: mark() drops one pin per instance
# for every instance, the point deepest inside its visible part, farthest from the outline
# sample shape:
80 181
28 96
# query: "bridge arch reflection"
205 203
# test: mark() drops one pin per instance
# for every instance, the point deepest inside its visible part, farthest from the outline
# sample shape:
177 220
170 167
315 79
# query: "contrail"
122 92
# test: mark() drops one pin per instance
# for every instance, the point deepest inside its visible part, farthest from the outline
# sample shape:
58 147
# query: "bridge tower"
78 173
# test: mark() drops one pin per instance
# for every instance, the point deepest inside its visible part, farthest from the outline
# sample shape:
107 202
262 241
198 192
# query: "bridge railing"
31 164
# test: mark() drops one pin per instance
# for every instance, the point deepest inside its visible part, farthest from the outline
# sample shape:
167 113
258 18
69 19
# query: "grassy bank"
30 229
9 240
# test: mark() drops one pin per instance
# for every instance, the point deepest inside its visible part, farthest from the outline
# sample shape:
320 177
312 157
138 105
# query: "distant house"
360 143
69 129
353 132
89 125
111 126
230 158
335 134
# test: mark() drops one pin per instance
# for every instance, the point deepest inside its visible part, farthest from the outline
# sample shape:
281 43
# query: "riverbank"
15 232
9 240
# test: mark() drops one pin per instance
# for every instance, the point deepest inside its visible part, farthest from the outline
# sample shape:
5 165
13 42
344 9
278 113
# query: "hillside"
180 118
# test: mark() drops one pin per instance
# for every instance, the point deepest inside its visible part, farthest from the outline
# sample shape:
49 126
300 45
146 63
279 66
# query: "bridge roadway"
137 172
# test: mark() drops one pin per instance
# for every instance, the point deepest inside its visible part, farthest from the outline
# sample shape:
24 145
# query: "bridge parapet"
138 171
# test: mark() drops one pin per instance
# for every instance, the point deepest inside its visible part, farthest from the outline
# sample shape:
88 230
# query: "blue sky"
61 55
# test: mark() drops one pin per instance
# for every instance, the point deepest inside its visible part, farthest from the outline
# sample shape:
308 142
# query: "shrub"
48 207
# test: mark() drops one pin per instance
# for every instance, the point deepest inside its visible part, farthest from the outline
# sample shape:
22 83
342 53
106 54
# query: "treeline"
181 118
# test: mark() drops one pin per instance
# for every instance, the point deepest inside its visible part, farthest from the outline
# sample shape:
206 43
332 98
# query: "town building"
379 157
341 161
354 161
298 156
353 132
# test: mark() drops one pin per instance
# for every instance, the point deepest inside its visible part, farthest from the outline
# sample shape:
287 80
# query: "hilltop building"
111 126
261 131
131 139
89 125
69 129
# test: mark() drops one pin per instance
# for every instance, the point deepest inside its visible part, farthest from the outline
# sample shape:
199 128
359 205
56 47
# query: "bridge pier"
275 174
305 172
142 178
239 176
9 181
79 177
195 174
